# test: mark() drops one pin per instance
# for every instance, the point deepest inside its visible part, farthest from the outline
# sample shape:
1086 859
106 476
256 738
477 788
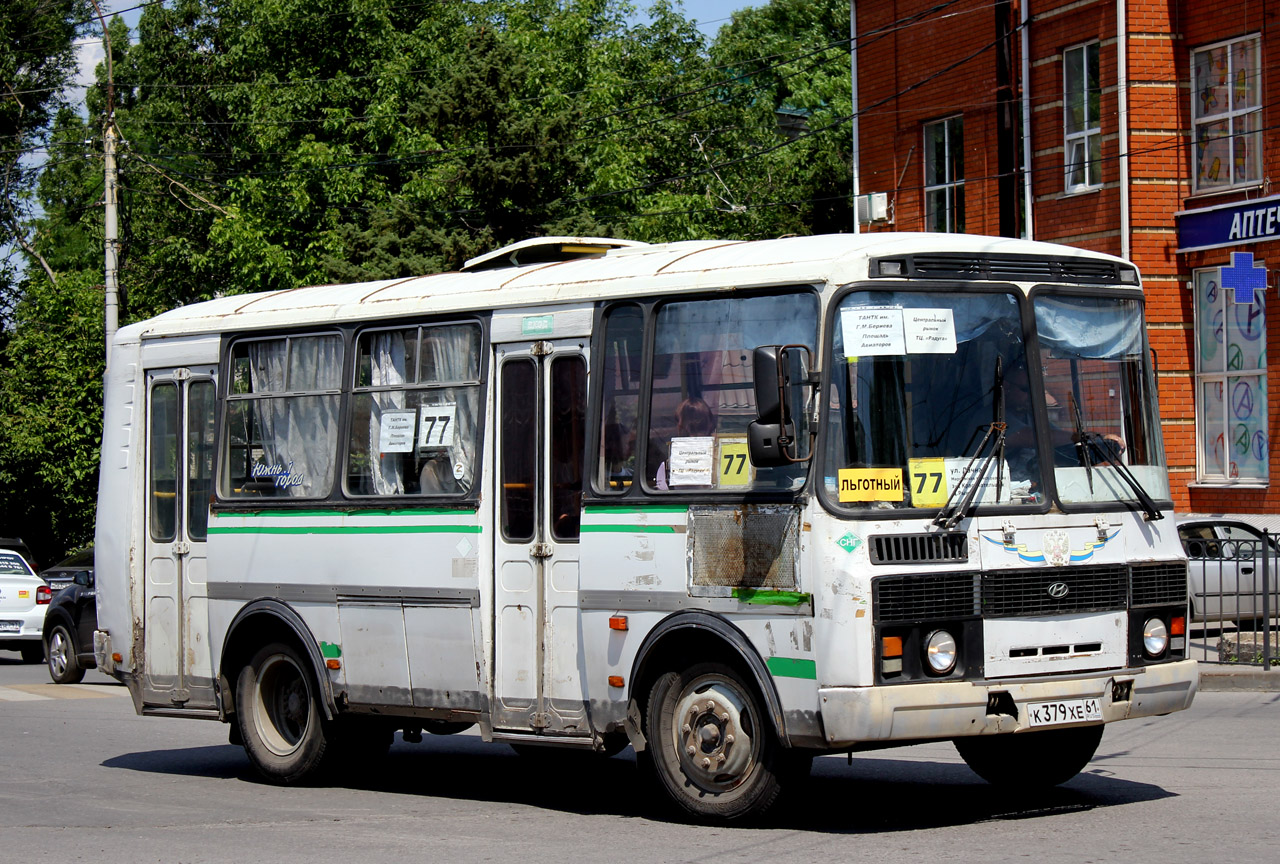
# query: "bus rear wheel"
279 715
710 745
1031 759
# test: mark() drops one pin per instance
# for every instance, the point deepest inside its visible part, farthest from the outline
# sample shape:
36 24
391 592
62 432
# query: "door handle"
541 550
1246 570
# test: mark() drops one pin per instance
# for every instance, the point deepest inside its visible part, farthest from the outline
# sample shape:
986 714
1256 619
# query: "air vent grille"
933 597
952 547
1160 584
1013 268
1054 591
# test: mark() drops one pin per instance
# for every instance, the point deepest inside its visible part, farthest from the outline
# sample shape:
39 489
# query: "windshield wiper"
949 516
1107 449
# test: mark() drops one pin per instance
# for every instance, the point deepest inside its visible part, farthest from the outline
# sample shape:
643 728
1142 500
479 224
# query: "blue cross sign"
1243 278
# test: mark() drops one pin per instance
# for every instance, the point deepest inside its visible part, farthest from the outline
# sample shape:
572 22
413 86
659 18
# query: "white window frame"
1233 116
1091 127
1209 428
952 188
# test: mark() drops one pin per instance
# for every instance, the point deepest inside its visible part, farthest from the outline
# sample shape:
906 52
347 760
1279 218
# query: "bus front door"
179 454
541 409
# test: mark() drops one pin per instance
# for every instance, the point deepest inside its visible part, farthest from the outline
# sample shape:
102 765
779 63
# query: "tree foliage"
276 143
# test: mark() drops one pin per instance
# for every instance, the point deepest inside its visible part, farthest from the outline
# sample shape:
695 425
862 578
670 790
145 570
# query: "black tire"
32 652
60 651
1031 759
732 772
278 710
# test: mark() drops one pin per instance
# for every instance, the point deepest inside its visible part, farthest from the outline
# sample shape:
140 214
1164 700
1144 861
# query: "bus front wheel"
1031 759
711 747
279 715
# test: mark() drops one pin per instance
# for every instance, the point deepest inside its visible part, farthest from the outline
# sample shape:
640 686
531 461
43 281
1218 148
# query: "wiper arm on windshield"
1107 449
950 515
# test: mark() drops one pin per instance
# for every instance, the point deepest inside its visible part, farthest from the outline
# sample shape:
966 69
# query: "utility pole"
110 199
112 235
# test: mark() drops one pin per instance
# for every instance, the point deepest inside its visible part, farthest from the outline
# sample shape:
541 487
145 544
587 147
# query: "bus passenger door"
179 454
542 397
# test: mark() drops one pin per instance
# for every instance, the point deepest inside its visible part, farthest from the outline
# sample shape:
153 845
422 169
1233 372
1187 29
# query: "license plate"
1063 711
10 626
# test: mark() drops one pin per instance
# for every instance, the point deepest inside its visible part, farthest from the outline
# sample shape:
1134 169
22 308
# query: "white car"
24 599
1225 563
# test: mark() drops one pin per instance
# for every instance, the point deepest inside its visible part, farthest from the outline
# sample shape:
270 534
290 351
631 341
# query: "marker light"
618 622
1178 626
615 681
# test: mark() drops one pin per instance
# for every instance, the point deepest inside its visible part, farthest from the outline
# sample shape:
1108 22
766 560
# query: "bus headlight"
1155 637
940 651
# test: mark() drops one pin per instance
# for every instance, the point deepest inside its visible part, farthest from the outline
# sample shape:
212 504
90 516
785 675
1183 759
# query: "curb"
1215 678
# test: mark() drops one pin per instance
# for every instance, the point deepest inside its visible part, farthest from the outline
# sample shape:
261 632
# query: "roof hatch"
541 250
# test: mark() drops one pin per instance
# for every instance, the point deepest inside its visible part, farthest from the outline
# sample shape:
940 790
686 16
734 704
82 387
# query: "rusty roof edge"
680 258
393 283
258 298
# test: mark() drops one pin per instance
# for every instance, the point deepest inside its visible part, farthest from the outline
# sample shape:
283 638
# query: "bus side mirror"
781 433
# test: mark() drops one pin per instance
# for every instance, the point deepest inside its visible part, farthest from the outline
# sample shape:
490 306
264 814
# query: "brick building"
1155 144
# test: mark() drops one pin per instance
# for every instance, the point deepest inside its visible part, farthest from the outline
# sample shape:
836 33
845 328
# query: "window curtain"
299 433
387 370
452 354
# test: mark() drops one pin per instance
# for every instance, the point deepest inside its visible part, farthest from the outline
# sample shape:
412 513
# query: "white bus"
734 504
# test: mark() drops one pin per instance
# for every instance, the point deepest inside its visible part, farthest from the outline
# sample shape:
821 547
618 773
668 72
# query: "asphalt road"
84 779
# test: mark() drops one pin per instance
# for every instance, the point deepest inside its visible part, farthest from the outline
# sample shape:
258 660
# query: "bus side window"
623 349
415 411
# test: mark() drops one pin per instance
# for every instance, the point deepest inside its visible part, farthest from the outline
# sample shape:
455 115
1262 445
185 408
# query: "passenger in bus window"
619 453
694 419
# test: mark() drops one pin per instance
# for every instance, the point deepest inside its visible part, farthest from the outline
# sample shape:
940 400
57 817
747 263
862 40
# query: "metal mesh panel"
748 546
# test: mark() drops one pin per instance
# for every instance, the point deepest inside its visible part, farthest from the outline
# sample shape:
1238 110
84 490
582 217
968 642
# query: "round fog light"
1155 637
940 650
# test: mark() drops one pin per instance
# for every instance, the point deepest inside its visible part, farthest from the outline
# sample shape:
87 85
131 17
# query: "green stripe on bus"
345 529
628 529
790 667
294 514
767 597
609 508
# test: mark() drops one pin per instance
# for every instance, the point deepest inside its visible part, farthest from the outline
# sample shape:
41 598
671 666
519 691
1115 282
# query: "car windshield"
919 381
1099 392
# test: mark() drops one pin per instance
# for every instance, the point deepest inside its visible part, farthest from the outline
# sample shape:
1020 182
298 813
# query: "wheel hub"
713 735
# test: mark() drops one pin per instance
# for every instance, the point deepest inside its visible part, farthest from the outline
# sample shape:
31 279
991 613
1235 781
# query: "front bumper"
856 715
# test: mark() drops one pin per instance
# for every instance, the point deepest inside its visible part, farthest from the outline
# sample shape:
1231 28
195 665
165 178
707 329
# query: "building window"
944 175
1226 108
1082 128
1231 384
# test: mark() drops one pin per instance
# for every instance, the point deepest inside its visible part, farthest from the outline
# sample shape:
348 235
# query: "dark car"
63 573
68 629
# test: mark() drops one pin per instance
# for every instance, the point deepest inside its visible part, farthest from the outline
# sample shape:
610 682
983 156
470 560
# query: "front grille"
910 548
932 597
1032 592
1160 584
1013 268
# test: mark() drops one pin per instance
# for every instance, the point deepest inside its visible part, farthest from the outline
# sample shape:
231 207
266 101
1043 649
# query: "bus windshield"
918 378
1098 391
